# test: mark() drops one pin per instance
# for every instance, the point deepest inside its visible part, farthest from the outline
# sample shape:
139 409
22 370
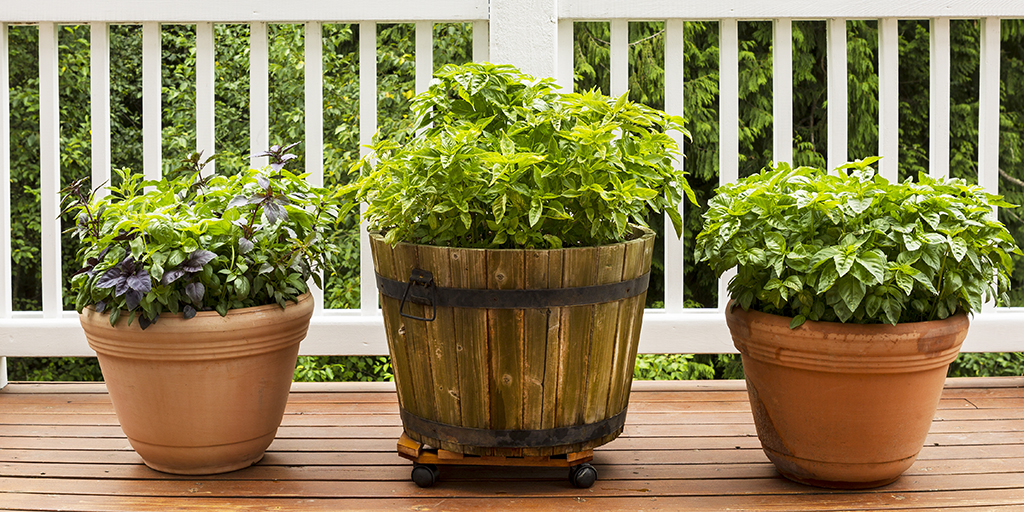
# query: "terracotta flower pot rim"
845 347
221 338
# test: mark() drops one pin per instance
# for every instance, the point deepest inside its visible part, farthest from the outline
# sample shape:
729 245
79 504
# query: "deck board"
686 445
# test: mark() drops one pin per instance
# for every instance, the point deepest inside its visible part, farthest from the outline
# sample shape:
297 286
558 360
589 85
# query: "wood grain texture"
686 445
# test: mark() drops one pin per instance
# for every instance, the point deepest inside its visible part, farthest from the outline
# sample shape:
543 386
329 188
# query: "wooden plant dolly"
425 461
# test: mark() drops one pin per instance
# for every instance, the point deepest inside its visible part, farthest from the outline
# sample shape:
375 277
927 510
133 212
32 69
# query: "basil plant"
197 243
502 160
850 246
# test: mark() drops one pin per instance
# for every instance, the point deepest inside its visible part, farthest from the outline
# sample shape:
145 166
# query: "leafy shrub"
195 243
502 160
851 246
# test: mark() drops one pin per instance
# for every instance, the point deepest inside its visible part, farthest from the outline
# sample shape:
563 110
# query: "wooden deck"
687 446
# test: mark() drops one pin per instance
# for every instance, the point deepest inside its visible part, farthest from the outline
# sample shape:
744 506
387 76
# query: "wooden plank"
384 262
505 340
580 269
537 339
413 336
469 270
610 262
440 343
625 358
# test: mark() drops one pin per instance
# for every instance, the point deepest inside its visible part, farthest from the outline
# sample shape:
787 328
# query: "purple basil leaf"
237 201
122 287
172 275
144 322
263 182
256 199
202 257
289 146
244 245
140 281
195 292
100 306
277 166
274 212
109 278
133 299
288 157
189 311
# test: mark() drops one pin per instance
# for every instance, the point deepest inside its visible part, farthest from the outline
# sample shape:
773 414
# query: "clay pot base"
178 460
801 471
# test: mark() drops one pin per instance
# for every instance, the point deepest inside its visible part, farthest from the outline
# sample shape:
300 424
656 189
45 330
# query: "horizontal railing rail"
538 37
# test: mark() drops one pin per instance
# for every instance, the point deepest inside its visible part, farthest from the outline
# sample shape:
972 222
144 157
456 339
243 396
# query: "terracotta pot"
843 405
204 395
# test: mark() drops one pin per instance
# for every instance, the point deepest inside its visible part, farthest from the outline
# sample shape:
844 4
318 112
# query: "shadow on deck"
686 446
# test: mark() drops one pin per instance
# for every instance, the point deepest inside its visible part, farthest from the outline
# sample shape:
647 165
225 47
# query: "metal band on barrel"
519 299
485 438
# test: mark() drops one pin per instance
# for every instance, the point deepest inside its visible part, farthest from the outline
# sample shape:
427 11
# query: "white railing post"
838 104
728 118
6 292
938 98
259 94
99 67
565 65
49 167
527 38
674 72
206 63
367 128
782 90
988 106
152 135
314 108
424 55
619 57
481 41
889 98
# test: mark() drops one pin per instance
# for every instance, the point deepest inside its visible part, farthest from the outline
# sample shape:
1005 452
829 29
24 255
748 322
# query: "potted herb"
512 260
850 300
194 296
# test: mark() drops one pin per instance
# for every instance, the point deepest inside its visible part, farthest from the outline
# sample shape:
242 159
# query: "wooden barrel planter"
513 352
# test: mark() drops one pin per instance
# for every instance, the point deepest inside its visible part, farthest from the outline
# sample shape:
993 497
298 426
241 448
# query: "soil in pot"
204 395
843 405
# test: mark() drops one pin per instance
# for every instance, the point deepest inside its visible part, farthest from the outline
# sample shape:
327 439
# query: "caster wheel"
425 475
583 476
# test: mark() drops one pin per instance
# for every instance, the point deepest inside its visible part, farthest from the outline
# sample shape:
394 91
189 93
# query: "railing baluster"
619 57
988 106
99 67
564 56
674 65
889 98
481 41
938 110
314 109
367 127
6 288
6 292
259 93
728 118
838 106
49 168
206 58
152 136
424 55
782 90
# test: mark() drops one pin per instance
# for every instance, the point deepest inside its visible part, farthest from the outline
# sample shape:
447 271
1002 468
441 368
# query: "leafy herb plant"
850 246
195 243
500 160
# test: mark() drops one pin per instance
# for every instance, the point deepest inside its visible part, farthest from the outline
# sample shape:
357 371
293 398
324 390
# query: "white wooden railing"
534 35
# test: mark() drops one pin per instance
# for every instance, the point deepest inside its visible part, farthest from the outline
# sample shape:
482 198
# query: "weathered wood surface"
686 445
535 368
